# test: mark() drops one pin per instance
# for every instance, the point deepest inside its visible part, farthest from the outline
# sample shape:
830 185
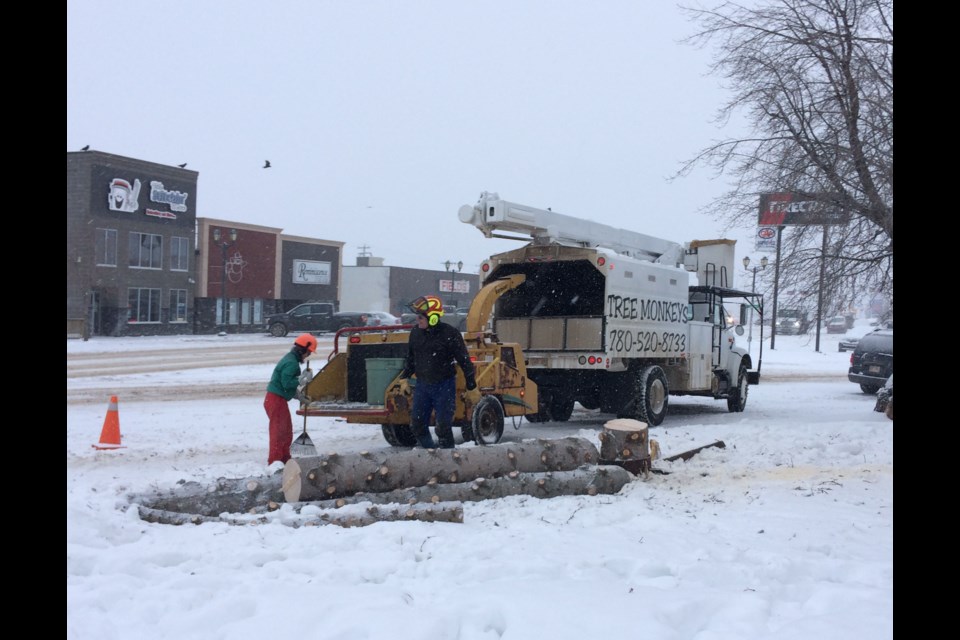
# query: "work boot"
445 437
422 434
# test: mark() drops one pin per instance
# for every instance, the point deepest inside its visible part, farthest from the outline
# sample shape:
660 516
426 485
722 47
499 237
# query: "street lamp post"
224 243
453 269
753 288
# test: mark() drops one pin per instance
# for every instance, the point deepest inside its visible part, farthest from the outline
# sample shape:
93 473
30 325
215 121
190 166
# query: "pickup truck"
451 315
315 317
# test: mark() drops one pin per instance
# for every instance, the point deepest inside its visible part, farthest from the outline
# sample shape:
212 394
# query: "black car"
871 362
315 317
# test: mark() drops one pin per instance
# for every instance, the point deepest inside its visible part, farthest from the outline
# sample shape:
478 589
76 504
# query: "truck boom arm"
491 214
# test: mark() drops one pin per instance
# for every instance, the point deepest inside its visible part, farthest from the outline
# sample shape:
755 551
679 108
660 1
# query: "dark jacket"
286 376
432 352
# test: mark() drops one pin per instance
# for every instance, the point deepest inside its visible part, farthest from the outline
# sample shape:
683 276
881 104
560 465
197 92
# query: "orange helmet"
306 341
430 307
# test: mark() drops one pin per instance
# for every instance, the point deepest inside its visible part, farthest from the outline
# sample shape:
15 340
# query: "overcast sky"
381 118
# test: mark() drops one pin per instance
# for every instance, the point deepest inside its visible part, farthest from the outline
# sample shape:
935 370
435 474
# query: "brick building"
141 262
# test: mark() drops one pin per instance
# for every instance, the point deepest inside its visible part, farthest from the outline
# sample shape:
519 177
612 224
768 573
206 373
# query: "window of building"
179 254
106 247
178 305
246 310
257 311
143 305
233 311
146 250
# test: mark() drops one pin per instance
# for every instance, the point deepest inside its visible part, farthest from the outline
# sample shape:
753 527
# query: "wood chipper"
359 383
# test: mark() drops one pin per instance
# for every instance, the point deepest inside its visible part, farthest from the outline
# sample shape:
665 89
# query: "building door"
93 316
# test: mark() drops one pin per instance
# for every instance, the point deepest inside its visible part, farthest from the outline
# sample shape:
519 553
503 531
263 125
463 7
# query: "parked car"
451 315
847 343
837 324
315 317
871 362
381 318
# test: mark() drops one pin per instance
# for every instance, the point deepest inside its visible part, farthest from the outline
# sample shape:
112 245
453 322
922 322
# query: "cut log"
686 455
624 439
238 495
440 512
625 442
334 475
587 480
443 512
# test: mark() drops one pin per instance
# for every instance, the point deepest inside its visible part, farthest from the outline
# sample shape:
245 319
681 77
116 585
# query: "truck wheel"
590 402
737 400
869 388
650 397
544 402
561 408
278 329
398 435
488 421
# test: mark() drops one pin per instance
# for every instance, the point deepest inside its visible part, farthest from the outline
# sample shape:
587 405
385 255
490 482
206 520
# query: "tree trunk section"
624 439
587 480
334 475
625 442
440 512
238 495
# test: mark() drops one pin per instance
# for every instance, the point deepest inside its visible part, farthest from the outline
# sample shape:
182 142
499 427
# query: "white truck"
610 318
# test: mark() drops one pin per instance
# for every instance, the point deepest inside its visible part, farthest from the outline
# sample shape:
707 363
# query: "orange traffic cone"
110 435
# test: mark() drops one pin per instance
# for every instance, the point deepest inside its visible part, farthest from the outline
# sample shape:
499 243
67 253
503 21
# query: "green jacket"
286 377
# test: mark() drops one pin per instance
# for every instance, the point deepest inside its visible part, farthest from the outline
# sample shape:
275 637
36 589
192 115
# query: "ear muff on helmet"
306 341
429 306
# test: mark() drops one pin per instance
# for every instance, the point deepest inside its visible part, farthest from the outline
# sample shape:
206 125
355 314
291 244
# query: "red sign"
789 208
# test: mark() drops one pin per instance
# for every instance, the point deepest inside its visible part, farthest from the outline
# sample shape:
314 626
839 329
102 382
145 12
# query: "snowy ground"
785 533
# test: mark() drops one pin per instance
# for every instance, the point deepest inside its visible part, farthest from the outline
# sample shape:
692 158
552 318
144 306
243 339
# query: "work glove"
302 396
306 377
472 396
402 386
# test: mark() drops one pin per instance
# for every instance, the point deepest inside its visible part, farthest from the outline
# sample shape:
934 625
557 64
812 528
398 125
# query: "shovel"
303 447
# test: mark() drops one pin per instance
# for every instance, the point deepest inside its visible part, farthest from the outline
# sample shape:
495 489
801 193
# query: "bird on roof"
266 164
182 165
86 148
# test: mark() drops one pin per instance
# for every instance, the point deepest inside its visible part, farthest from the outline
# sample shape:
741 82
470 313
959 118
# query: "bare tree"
814 79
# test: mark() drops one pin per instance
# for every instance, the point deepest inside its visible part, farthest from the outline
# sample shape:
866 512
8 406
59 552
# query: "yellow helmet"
431 307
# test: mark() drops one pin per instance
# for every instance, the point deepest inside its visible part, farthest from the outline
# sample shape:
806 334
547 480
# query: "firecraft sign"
788 208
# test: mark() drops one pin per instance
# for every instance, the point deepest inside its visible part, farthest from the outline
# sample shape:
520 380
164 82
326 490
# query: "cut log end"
290 482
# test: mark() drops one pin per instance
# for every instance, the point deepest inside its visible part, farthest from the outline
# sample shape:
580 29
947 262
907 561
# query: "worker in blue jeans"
433 351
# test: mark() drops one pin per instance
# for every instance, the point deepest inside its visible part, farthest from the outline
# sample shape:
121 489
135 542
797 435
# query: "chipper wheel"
488 421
